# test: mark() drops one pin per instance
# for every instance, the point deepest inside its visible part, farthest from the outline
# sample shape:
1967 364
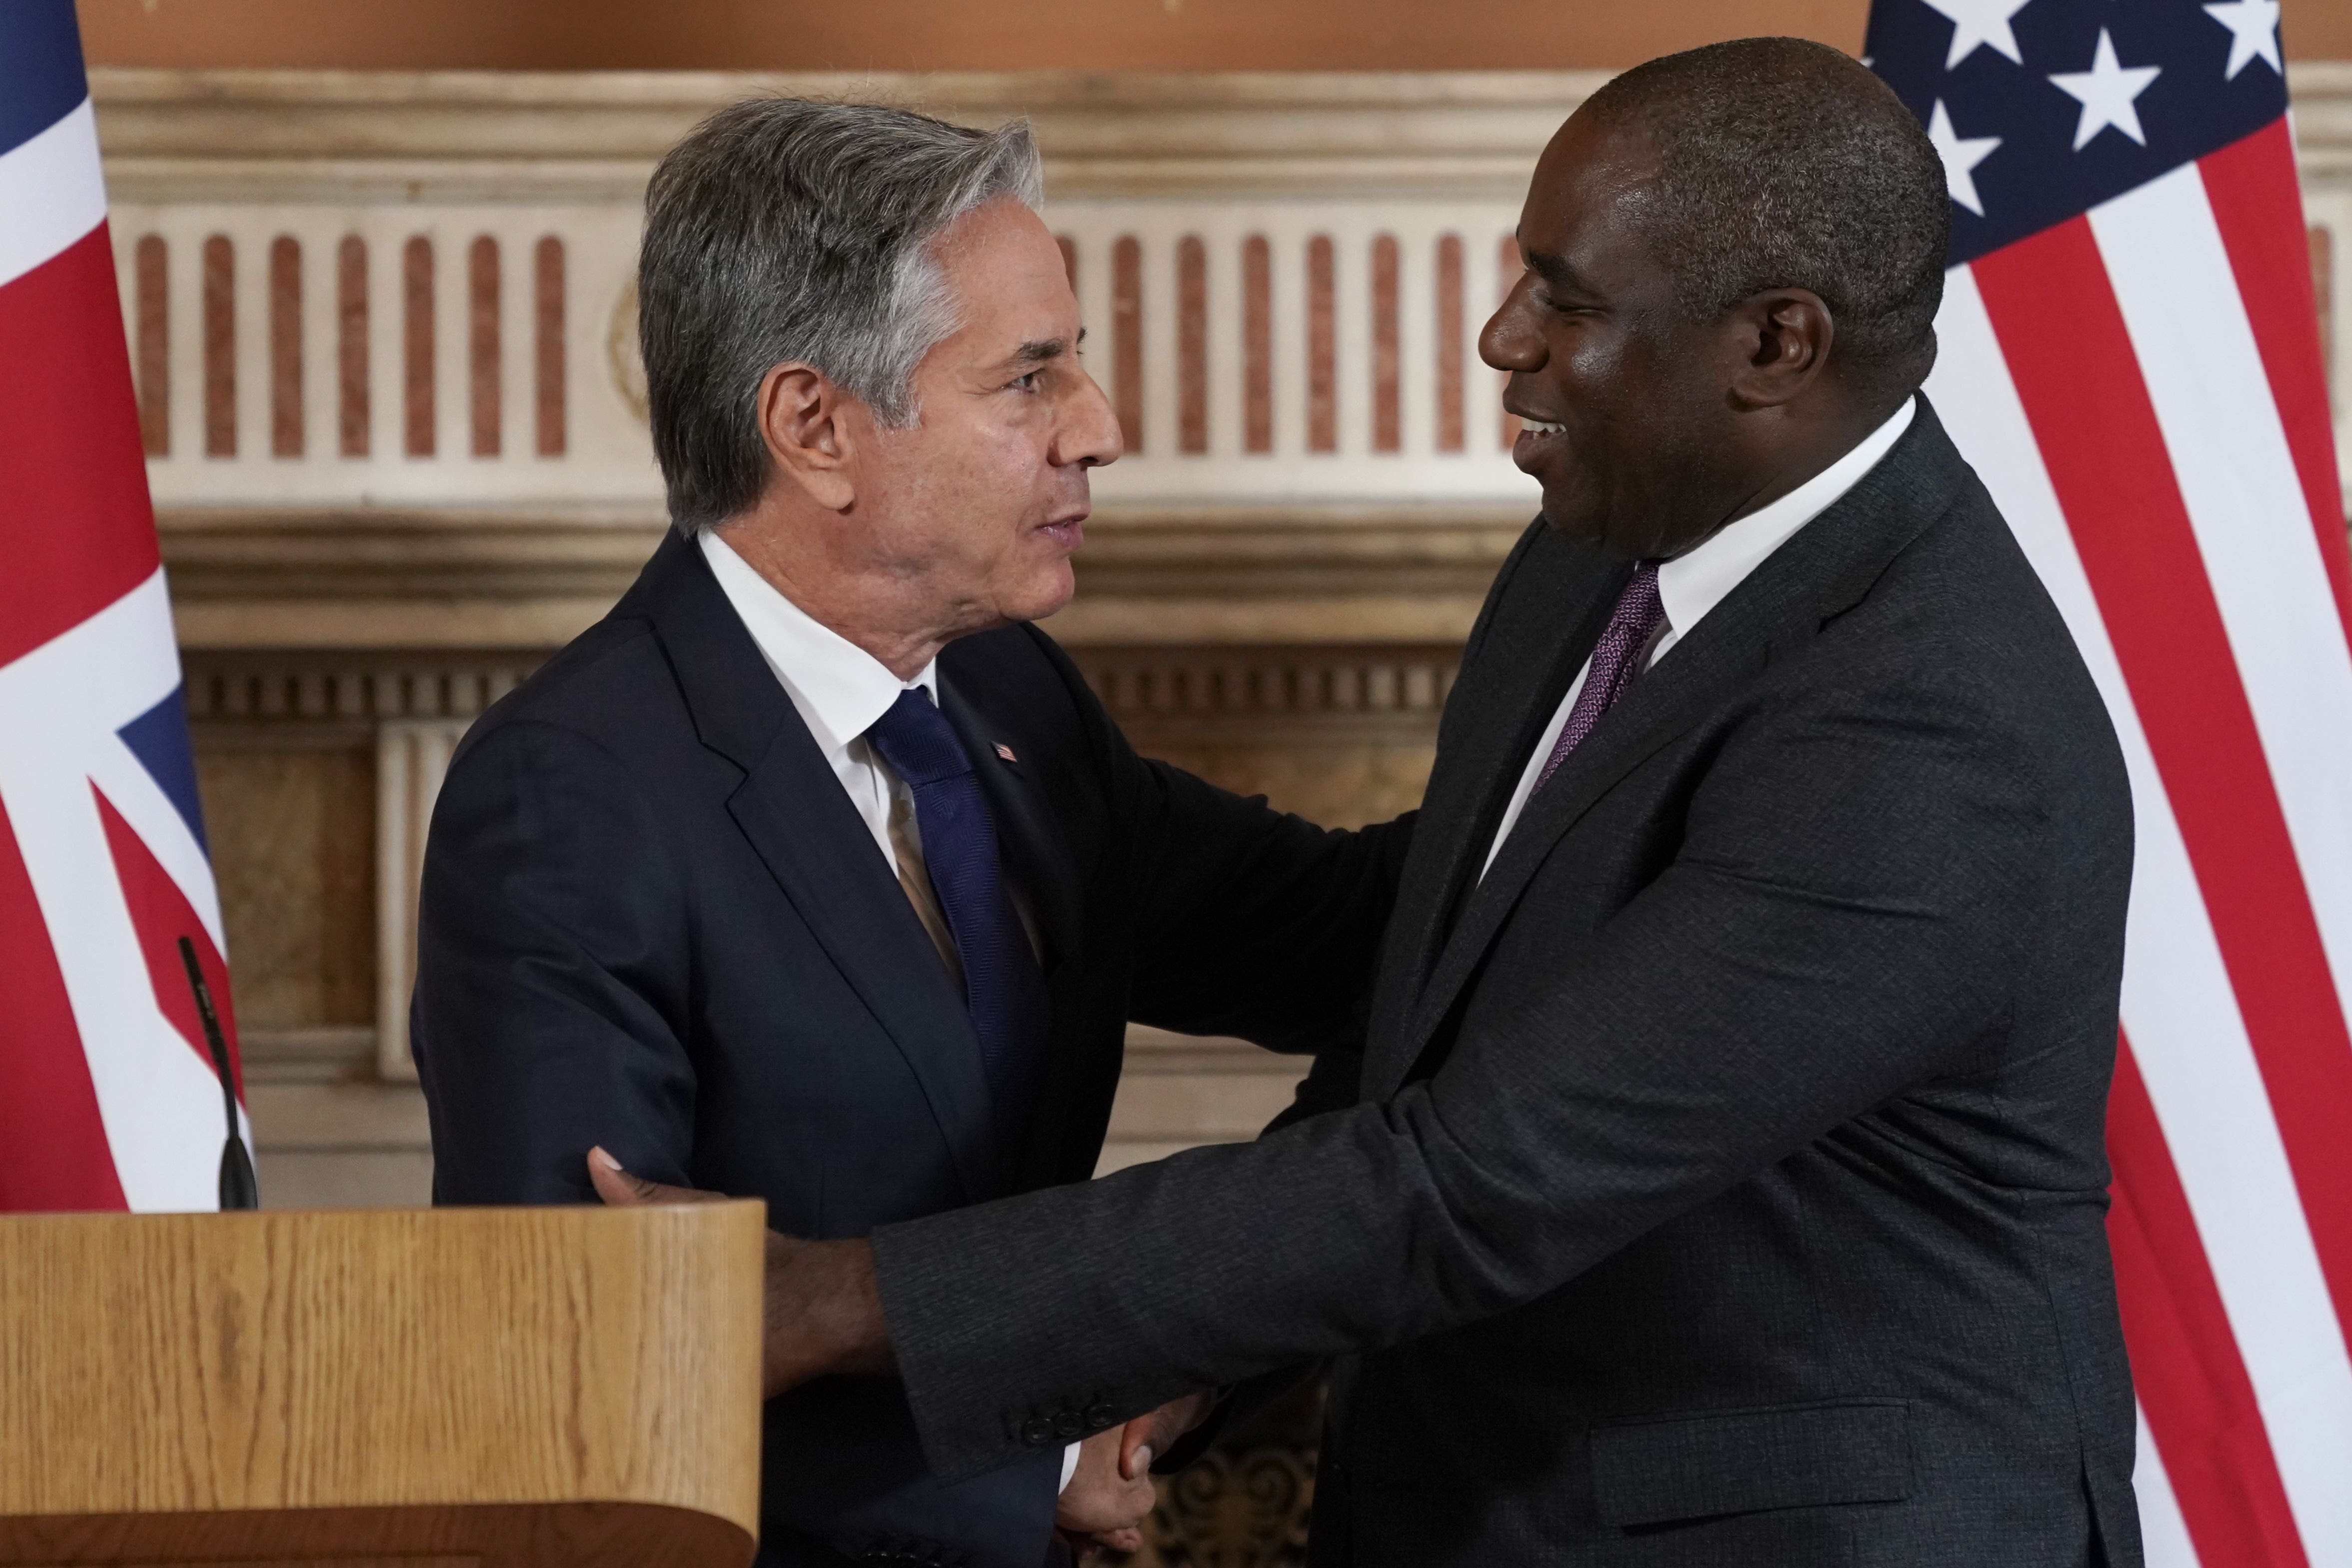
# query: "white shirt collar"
1691 584
839 688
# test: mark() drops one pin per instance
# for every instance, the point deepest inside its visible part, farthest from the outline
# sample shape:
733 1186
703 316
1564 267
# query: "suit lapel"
1825 568
1532 662
1660 705
792 809
1525 663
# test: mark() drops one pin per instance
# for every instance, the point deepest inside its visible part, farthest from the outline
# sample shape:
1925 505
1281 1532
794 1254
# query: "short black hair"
1784 163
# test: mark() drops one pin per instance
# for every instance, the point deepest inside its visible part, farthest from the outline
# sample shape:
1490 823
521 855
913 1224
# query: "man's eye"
1023 383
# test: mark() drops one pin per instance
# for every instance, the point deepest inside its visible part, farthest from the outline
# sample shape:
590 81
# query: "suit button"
1100 1415
1037 1433
1070 1424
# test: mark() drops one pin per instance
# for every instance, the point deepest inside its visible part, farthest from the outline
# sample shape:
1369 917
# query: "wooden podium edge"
460 1535
560 1387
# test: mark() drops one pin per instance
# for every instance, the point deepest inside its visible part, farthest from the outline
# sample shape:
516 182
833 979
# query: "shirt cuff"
1069 1467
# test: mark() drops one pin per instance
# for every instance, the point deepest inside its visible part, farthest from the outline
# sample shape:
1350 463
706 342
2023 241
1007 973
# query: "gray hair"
783 230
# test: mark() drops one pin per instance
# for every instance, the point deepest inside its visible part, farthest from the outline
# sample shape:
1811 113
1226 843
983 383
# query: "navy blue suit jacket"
652 919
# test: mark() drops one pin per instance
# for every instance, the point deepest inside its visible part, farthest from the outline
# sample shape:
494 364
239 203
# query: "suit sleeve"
552 960
1261 924
1244 920
1819 942
1253 923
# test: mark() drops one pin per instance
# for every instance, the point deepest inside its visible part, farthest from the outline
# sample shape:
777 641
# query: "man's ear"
1784 337
803 423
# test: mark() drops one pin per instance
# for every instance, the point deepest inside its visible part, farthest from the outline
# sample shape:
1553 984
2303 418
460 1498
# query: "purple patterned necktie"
1615 659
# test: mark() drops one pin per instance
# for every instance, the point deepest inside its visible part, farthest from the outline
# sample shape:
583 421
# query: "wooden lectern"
436 1388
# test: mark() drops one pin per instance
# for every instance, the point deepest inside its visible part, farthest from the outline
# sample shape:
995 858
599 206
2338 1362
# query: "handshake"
824 1317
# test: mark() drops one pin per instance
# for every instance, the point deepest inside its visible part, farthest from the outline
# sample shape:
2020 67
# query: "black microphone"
237 1187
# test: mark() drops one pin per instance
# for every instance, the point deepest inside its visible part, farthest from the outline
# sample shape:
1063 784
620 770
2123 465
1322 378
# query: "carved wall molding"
306 689
388 397
412 757
354 291
533 578
1379 685
596 133
590 136
1137 684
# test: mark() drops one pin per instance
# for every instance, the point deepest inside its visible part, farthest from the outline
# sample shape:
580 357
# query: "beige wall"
982 35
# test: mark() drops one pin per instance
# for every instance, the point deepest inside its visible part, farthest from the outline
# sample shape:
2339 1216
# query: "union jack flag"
108 1095
2131 361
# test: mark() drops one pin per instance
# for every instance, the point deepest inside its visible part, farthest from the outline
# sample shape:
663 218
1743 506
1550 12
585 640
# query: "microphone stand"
237 1187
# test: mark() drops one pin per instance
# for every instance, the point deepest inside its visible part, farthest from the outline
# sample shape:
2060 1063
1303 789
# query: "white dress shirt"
840 690
1696 581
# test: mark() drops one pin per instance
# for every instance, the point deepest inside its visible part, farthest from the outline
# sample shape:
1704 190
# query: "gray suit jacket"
1722 1181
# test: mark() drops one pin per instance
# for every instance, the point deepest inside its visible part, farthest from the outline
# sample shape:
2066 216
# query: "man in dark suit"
1722 1183
811 873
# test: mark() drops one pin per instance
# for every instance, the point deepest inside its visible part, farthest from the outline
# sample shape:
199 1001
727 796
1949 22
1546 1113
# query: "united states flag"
2130 359
108 1095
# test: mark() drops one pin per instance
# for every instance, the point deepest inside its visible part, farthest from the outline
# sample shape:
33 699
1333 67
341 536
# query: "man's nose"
1509 340
1089 434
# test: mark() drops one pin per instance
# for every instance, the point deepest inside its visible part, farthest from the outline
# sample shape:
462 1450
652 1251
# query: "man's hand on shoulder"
824 1313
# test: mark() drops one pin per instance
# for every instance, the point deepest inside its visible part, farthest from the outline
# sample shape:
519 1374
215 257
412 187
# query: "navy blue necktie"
1002 987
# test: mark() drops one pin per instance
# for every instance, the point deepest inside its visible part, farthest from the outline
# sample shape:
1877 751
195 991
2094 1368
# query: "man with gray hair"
813 872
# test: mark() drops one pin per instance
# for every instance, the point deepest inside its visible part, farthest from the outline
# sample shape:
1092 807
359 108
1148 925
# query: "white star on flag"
2105 92
2254 34
1960 155
1981 24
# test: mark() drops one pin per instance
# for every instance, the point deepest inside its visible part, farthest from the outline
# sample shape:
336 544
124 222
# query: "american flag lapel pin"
1005 752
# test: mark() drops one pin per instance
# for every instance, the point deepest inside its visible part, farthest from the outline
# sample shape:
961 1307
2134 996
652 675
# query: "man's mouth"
1069 533
1538 439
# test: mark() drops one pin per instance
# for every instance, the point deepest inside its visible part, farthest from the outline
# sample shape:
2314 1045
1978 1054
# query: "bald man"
1722 1182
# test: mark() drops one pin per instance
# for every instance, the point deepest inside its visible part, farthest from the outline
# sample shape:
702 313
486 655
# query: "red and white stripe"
52 191
2140 389
108 1097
